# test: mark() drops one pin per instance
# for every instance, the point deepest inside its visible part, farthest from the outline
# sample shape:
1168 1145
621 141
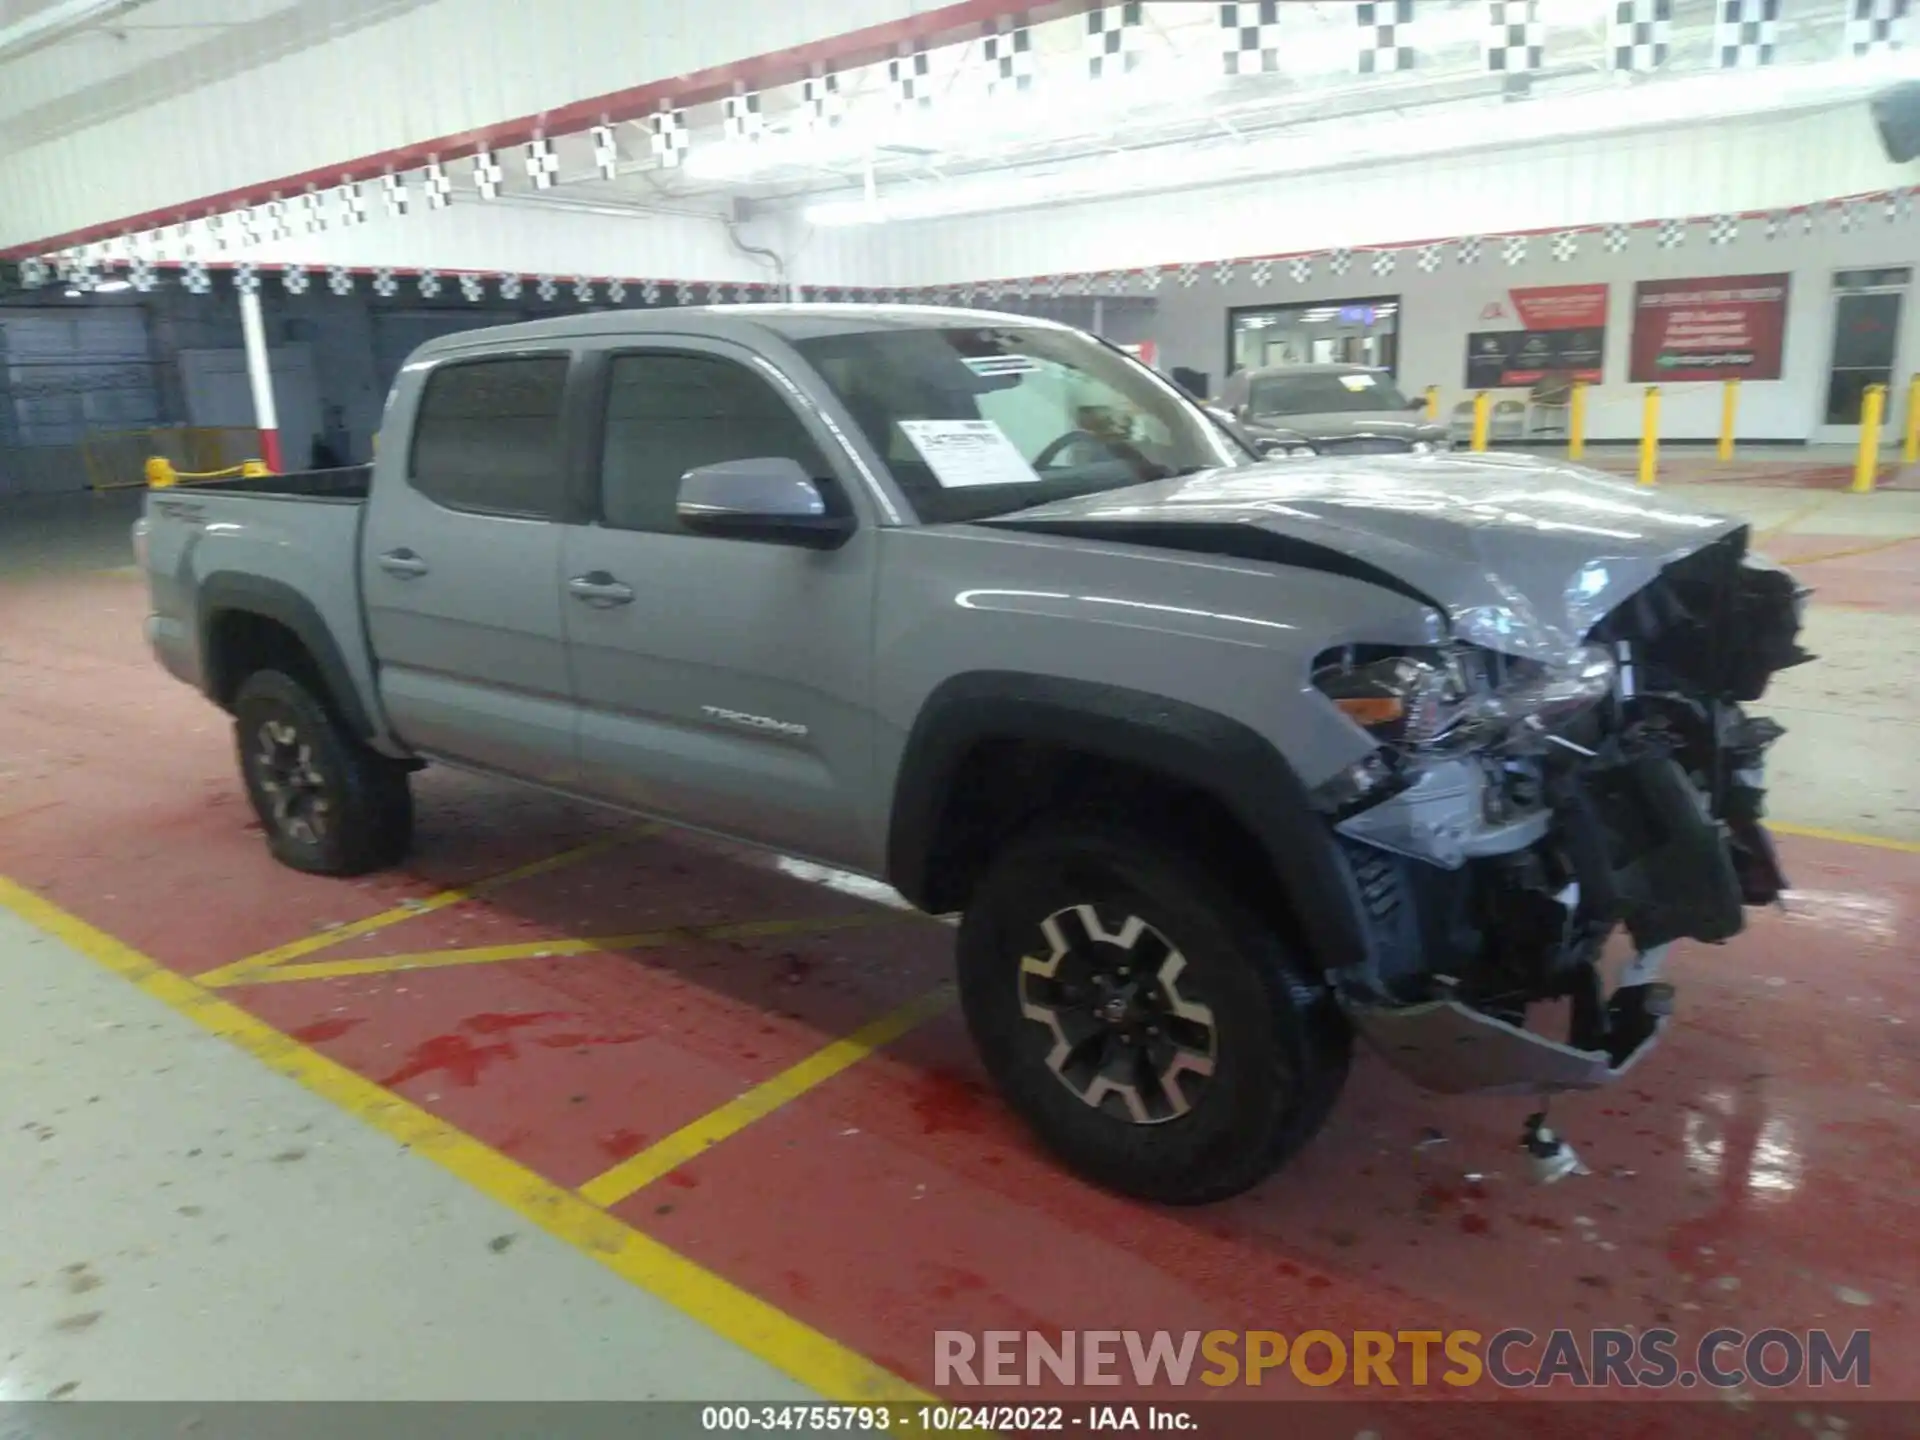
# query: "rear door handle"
600 590
404 564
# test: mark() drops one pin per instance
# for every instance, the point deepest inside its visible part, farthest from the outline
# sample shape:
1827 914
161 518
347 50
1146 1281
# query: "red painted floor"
1758 1171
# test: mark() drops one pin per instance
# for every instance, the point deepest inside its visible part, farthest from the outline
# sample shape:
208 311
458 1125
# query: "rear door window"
486 437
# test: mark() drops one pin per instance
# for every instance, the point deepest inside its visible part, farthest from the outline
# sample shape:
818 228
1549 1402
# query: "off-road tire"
366 811
1280 1047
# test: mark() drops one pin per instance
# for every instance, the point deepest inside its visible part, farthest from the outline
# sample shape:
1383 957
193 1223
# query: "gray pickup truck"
1221 759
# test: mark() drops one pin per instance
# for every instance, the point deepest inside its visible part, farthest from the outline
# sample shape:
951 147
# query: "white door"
217 394
1863 319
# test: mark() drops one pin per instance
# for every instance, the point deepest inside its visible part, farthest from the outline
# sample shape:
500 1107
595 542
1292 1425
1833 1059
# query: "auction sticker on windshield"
966 453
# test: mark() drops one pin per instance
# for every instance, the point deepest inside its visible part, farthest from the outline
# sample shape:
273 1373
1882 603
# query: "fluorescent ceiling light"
1612 110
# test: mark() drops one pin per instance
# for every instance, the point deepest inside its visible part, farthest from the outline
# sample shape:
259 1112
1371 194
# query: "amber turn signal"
1368 711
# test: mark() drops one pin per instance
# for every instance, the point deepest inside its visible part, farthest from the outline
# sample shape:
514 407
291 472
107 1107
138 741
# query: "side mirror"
1419 402
771 498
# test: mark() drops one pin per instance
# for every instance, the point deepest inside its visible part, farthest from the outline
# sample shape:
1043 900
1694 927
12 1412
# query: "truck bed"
350 483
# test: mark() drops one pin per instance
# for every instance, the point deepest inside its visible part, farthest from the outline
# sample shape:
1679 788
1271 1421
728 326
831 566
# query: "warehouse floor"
573 1107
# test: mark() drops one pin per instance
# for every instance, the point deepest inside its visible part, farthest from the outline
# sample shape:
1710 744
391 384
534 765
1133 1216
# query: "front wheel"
328 804
1155 1032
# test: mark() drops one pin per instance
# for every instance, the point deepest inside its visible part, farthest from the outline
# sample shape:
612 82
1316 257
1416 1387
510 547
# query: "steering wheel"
1051 451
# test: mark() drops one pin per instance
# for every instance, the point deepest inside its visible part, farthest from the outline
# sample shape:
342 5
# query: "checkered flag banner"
1640 34
350 203
313 214
1189 274
617 291
1007 56
546 287
439 186
1223 272
139 274
384 282
1747 34
246 280
1466 250
472 287
33 272
1848 214
605 154
650 293
583 289
1614 238
668 137
194 278
1300 267
910 80
1260 272
1151 278
1672 234
1513 249
1383 262
1516 39
509 287
1340 261
1898 205
1116 37
682 293
825 106
1723 229
277 226
1251 37
1565 245
740 117
217 232
1056 285
1874 25
487 174
1428 259
340 279
393 190
429 283
543 162
1384 46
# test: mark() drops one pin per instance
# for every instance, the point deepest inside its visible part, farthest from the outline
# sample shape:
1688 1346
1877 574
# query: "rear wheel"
328 804
1151 1027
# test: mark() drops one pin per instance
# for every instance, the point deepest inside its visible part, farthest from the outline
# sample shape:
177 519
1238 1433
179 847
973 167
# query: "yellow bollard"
1650 436
1577 421
1873 406
1482 418
1433 402
1910 445
1729 410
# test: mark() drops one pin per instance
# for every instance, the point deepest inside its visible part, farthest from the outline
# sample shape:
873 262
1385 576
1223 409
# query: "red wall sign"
1729 327
1555 330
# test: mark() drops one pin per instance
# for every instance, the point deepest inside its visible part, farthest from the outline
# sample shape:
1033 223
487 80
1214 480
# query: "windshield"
1323 393
980 421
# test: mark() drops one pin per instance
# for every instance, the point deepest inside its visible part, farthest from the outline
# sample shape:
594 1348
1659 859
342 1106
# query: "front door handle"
404 564
600 590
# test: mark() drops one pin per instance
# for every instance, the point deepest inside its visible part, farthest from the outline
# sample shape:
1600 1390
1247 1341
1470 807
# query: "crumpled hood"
1525 555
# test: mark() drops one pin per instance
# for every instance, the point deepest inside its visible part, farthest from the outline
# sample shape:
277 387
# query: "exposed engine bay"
1521 810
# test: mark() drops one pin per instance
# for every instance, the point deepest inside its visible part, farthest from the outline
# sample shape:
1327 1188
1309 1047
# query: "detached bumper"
1453 1049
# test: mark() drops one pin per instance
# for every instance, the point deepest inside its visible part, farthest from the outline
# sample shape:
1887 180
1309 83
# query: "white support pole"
260 379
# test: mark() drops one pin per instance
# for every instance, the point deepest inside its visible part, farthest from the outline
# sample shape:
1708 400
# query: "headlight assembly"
1459 696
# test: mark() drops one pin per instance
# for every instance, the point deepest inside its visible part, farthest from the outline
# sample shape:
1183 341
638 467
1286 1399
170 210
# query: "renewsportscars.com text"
1722 1359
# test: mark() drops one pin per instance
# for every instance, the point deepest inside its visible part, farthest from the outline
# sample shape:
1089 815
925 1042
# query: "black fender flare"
229 592
1184 742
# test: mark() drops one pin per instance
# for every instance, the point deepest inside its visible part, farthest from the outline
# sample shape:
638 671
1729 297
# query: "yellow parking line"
788 1344
762 1100
550 949
249 968
1872 548
1794 517
1846 837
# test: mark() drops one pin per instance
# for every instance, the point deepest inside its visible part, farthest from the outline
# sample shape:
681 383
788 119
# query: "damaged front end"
1522 808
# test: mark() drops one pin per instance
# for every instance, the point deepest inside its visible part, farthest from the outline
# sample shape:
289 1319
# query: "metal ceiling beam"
56 22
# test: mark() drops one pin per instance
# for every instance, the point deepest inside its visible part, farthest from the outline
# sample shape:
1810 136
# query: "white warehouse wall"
1752 165
336 80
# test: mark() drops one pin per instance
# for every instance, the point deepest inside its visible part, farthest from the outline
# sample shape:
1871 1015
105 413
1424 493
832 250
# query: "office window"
668 413
487 436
